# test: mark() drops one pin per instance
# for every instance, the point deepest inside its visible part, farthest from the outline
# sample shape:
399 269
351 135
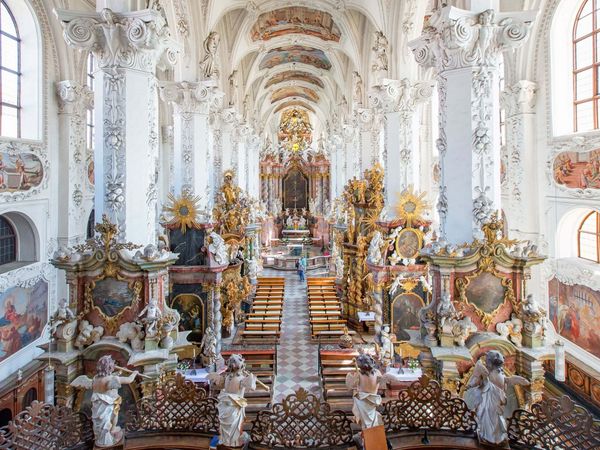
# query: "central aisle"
297 359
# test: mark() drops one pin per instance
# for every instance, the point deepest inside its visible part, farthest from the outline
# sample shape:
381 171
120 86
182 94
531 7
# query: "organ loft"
325 224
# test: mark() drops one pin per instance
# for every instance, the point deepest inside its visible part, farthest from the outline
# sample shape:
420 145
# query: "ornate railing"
554 424
45 427
301 421
426 406
175 405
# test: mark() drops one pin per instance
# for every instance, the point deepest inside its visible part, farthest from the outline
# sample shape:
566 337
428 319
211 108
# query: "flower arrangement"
413 364
184 365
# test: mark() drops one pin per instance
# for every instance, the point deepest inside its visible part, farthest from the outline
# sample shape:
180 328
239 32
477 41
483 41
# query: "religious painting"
19 172
294 91
405 314
112 296
295 20
295 54
90 172
295 190
486 292
574 309
408 243
293 104
23 315
295 75
578 170
191 310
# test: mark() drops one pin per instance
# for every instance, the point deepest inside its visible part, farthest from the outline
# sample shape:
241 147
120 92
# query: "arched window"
90 112
5 417
8 242
91 224
588 237
10 74
29 397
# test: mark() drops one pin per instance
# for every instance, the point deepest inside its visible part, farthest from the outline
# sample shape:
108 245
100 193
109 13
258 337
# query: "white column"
398 101
465 49
368 153
127 46
253 144
192 103
522 199
228 122
74 100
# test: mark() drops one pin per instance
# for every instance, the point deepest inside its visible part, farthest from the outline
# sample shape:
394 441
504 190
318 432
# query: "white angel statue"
486 395
106 401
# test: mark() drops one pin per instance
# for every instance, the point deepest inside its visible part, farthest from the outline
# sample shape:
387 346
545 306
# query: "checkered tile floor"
297 356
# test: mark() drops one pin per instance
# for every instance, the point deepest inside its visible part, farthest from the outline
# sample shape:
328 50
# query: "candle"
559 361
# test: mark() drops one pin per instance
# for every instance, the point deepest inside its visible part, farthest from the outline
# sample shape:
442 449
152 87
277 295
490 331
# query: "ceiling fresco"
299 20
294 91
294 103
295 75
295 53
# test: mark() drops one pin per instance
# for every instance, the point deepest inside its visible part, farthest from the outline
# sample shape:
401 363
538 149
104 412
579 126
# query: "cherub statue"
234 383
208 347
106 401
150 316
462 329
511 329
63 313
365 382
132 332
88 334
486 395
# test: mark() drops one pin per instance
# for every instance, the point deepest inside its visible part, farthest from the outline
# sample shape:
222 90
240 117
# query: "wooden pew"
333 366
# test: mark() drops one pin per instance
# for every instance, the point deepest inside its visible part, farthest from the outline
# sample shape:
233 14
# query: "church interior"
300 224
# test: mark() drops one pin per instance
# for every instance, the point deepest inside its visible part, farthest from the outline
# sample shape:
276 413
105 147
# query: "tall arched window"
8 242
588 237
10 74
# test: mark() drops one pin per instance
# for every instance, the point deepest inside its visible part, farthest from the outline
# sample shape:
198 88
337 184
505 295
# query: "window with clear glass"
8 242
588 237
10 74
90 112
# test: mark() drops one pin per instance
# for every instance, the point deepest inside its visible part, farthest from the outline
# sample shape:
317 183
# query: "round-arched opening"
567 238
5 417
29 397
26 237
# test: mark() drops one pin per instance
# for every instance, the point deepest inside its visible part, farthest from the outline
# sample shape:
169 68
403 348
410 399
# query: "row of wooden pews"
263 322
263 364
334 365
325 309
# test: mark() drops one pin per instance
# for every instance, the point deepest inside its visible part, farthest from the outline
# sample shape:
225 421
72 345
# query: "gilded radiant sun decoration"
183 211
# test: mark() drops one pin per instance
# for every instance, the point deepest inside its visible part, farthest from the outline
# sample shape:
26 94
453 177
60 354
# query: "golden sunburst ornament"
183 211
411 206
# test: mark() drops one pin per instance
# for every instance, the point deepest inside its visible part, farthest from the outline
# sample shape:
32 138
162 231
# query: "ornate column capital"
400 95
519 98
456 38
138 39
192 97
73 97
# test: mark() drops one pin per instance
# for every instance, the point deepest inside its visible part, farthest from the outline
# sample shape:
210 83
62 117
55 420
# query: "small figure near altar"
106 401
234 383
365 383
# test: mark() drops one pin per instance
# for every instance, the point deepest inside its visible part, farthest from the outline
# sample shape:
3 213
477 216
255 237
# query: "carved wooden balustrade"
45 427
554 424
176 406
301 421
426 406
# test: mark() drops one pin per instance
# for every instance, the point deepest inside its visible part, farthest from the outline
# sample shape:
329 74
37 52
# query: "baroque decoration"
182 212
296 20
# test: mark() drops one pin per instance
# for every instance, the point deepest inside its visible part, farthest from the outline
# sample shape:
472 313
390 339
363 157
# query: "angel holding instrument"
106 400
233 382
486 395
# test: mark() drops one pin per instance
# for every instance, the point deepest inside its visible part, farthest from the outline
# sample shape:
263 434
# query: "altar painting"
405 314
191 310
573 311
19 172
112 296
295 190
486 292
294 75
578 170
23 315
295 54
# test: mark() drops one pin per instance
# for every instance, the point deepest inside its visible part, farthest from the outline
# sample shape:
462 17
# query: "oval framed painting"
408 243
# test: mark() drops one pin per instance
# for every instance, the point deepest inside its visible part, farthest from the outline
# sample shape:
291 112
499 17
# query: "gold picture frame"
110 322
463 283
408 243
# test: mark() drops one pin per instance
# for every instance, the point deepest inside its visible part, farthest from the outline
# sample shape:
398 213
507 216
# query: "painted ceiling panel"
307 21
294 103
294 91
295 75
295 53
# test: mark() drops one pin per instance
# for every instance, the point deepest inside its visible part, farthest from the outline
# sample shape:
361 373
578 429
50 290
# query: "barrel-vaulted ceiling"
300 55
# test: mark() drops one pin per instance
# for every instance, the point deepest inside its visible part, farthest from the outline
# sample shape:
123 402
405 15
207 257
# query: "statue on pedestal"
387 347
486 395
150 316
365 384
106 401
375 254
218 249
234 382
208 347
208 65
